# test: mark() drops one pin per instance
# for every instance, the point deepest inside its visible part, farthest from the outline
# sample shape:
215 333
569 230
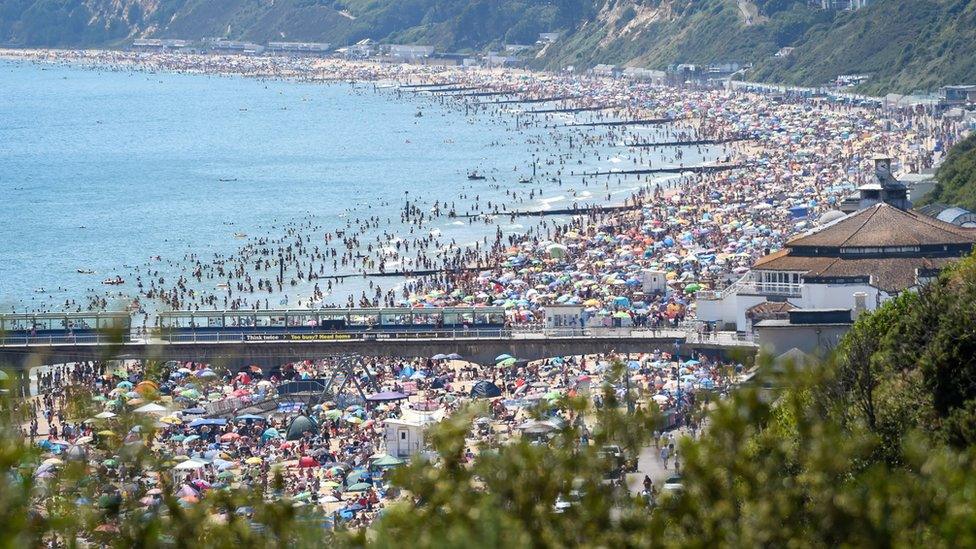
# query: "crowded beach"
701 228
210 428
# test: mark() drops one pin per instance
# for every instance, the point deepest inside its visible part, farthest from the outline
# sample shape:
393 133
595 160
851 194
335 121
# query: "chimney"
860 304
882 165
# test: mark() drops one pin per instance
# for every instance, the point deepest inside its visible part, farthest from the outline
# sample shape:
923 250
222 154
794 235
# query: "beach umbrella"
211 422
332 414
307 461
126 385
510 361
146 386
105 415
189 465
248 417
388 461
253 461
502 357
386 396
229 437
270 433
359 487
226 475
151 408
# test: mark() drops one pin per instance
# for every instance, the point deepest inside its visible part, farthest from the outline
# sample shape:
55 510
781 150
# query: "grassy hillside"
956 178
904 44
655 34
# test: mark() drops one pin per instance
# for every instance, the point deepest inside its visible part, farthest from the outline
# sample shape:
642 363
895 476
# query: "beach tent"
485 389
299 425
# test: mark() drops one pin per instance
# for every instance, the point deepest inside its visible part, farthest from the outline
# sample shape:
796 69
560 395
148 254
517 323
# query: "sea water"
107 170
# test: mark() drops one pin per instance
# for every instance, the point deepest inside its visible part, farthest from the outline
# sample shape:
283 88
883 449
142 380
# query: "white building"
299 48
654 281
547 37
407 435
410 52
862 259
564 317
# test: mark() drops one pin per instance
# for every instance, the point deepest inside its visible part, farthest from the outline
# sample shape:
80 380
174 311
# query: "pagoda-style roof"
882 244
883 225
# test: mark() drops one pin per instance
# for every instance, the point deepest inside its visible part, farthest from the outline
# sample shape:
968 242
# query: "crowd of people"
774 155
209 428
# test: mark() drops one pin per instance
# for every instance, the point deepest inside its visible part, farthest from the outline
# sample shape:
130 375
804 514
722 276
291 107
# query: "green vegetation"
874 447
904 45
956 177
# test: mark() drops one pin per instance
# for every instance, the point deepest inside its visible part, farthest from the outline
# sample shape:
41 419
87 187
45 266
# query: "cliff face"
903 44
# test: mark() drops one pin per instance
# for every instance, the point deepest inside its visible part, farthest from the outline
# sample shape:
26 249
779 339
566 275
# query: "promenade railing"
689 333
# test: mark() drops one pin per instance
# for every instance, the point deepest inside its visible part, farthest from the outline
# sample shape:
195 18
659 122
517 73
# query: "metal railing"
685 331
748 284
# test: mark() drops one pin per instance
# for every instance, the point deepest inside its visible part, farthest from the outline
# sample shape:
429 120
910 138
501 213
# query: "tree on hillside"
956 177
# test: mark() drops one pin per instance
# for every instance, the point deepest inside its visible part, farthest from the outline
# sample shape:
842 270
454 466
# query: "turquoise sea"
103 169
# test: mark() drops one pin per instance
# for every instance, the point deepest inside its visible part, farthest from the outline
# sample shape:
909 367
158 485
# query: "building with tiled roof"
852 262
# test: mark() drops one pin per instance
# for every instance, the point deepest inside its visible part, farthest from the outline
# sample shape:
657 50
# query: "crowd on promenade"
794 158
210 428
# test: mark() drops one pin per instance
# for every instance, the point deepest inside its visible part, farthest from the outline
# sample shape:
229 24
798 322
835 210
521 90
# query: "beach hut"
405 437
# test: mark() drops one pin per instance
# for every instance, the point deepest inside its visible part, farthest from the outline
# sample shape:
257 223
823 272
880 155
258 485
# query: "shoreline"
712 114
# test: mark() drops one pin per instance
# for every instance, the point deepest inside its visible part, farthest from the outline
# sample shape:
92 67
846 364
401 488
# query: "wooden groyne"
692 142
430 85
485 93
448 89
570 109
534 100
639 122
418 272
574 210
708 168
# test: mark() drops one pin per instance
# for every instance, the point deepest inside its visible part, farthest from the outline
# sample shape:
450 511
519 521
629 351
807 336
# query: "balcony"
750 284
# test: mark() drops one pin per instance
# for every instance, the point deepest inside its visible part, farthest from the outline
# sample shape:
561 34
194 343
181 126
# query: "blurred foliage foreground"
874 446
